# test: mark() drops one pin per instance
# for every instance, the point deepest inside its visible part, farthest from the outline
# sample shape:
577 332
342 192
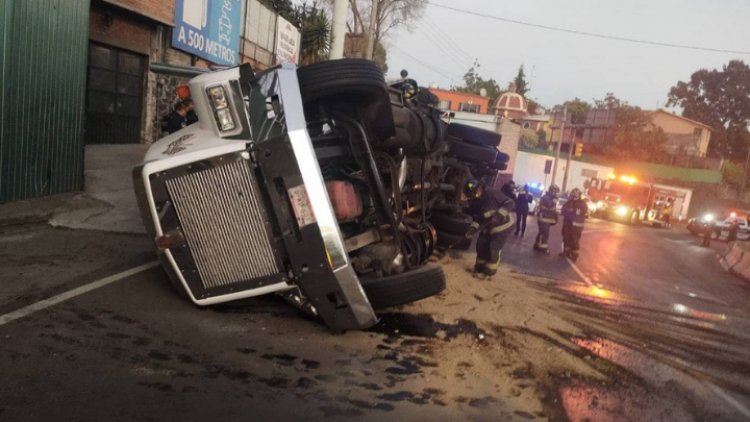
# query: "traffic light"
579 150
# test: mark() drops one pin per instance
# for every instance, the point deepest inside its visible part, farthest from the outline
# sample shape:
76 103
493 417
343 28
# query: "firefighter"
494 220
666 212
574 215
547 218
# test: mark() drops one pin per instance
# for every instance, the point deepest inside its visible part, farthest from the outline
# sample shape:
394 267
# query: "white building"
530 167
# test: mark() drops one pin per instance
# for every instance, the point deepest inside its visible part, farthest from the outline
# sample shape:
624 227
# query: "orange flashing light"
183 91
628 179
733 215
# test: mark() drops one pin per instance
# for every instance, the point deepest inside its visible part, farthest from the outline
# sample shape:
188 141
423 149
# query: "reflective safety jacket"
496 212
548 209
574 212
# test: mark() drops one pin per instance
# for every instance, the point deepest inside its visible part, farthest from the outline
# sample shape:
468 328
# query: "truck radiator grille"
222 218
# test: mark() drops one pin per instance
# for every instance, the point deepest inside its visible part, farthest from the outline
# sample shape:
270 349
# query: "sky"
442 45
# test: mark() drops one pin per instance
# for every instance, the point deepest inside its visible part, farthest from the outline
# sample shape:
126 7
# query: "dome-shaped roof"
512 101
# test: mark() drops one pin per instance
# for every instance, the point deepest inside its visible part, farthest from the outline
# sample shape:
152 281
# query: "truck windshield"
263 101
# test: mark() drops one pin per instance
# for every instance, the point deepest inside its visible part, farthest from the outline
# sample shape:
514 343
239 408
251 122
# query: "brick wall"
160 10
111 28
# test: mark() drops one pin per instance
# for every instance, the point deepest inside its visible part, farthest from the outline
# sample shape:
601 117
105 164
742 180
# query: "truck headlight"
708 218
224 117
622 211
217 97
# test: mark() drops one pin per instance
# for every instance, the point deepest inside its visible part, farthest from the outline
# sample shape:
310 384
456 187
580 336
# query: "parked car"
320 184
720 228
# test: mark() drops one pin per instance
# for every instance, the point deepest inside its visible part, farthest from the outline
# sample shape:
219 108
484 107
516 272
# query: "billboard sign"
210 29
287 41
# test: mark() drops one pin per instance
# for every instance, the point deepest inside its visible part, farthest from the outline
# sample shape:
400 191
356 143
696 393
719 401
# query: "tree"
529 138
609 102
634 137
522 87
313 24
577 110
474 83
718 98
533 107
391 14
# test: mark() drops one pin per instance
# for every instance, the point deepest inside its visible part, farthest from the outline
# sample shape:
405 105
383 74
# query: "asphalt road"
673 313
653 311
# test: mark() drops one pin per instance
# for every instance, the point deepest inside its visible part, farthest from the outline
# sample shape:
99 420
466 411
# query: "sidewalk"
107 202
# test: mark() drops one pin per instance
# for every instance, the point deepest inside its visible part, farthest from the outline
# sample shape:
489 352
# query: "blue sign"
210 29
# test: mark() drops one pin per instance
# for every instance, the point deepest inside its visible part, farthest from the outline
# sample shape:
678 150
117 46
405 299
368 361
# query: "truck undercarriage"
322 184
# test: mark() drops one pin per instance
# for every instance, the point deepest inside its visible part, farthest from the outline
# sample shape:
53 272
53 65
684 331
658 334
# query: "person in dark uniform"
666 212
574 215
547 218
522 209
190 114
494 220
509 189
177 119
707 232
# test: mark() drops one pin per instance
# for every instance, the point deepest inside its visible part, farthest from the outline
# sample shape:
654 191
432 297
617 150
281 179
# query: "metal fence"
43 47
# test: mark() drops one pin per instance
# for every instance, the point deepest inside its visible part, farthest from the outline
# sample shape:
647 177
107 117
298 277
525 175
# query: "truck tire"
474 135
400 289
456 242
451 223
472 153
360 79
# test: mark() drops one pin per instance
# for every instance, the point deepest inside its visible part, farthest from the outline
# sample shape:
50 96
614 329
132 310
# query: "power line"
446 38
452 78
445 50
588 34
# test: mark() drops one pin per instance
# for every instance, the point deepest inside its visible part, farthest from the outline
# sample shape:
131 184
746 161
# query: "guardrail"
737 261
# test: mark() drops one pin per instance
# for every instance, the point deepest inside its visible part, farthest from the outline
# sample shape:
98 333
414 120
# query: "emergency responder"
666 212
509 189
522 210
494 220
574 215
707 232
547 218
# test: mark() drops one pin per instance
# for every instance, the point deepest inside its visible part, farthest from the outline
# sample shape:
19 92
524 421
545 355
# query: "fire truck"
628 200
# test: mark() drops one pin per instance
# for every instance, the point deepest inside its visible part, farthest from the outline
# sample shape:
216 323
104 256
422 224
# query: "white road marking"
579 272
46 303
600 230
729 399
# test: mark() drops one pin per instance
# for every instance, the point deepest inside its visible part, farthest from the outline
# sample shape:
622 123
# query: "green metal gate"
43 56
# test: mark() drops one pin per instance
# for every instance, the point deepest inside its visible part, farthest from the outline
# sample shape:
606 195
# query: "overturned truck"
321 184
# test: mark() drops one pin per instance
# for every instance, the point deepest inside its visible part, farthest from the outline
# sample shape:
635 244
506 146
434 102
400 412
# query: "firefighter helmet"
472 189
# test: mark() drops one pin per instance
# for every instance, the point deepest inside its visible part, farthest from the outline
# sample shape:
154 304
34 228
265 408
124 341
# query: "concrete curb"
107 204
737 261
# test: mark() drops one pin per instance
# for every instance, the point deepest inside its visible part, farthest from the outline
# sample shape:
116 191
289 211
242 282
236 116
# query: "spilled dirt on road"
565 350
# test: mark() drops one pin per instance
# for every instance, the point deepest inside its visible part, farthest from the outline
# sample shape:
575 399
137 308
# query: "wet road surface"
670 314
646 327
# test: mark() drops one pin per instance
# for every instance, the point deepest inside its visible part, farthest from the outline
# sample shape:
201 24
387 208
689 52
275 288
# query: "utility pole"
567 163
338 29
741 193
371 33
557 149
